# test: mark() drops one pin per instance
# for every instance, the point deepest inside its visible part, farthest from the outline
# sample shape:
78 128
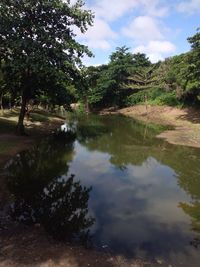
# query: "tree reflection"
126 140
130 142
43 193
193 210
192 186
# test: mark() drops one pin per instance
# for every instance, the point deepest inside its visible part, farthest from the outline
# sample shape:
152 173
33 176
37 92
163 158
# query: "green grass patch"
4 146
7 126
39 117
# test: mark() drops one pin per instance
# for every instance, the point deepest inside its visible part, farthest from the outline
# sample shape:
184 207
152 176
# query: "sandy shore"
186 122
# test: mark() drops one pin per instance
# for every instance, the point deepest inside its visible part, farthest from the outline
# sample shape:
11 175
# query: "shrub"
168 98
155 96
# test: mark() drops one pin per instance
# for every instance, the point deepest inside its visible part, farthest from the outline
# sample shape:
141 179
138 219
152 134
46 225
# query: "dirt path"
186 122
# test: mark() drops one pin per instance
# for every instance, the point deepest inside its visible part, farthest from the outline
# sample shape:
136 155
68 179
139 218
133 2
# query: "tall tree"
37 41
2 87
110 84
141 60
193 83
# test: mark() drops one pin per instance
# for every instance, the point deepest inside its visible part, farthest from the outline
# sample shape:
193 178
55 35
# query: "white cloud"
145 31
143 28
114 9
156 50
189 6
149 36
98 36
101 35
153 8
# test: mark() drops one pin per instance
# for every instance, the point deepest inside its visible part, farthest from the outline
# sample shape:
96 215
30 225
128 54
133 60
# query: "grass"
7 126
34 117
5 145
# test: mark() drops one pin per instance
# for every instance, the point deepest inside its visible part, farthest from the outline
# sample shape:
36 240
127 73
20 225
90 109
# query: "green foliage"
38 46
167 98
141 61
130 79
80 109
136 98
193 85
106 84
154 96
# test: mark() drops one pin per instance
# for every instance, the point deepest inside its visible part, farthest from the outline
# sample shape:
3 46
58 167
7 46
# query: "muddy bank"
11 144
30 246
186 122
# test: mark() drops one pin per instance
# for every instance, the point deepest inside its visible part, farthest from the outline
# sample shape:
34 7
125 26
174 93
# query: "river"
114 183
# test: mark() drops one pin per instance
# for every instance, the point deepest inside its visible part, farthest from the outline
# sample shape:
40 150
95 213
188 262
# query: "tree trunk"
20 126
87 107
1 103
10 107
145 97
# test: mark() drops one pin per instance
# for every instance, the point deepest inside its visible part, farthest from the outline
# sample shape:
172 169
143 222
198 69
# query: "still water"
113 182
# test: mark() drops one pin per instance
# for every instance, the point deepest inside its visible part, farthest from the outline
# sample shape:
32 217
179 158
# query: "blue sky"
158 28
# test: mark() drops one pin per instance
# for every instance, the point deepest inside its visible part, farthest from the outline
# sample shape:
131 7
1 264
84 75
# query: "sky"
158 28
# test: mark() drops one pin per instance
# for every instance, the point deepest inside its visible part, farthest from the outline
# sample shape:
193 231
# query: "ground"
41 123
30 246
185 122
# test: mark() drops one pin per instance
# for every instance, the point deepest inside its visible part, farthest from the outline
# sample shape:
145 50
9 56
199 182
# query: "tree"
2 87
143 78
111 83
193 77
37 41
86 86
141 61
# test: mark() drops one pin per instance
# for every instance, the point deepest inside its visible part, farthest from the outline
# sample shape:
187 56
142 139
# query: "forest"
41 64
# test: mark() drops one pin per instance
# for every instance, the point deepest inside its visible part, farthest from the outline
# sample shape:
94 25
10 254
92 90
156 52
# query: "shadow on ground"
192 115
30 246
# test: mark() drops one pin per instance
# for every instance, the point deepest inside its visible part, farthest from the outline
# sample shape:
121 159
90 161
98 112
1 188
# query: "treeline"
129 79
41 63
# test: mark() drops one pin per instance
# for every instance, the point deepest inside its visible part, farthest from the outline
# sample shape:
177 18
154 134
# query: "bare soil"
185 122
35 131
30 246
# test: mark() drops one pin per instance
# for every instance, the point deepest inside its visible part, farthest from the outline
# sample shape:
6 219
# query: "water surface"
138 195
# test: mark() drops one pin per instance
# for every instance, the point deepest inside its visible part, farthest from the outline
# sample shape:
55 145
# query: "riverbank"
31 246
185 121
40 124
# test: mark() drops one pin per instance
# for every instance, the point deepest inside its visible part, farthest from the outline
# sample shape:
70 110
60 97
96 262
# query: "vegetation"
129 79
38 51
40 64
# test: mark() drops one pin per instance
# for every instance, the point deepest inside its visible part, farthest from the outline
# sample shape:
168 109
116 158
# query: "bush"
155 96
139 97
168 98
